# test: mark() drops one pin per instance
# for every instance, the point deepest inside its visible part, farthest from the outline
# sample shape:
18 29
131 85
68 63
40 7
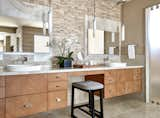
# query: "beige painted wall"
133 16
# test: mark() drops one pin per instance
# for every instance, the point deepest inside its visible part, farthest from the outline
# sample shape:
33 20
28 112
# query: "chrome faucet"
24 59
21 59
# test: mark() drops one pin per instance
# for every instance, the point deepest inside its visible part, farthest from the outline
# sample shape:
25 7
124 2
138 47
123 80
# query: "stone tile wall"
69 16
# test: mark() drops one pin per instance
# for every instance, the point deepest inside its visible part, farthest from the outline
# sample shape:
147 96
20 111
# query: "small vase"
66 63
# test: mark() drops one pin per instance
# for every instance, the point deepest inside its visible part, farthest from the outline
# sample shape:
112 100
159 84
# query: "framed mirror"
24 27
107 39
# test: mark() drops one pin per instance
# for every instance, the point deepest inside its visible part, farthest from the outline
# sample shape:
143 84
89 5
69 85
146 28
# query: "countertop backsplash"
32 58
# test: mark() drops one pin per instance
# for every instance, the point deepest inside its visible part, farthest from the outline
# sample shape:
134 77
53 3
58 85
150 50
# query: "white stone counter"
60 70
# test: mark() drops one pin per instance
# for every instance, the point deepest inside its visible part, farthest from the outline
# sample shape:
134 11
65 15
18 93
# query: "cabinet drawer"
57 77
110 90
110 77
25 105
57 100
80 73
2 108
53 86
95 72
25 84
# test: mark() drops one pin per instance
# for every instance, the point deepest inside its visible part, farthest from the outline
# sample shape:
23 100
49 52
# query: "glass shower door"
154 50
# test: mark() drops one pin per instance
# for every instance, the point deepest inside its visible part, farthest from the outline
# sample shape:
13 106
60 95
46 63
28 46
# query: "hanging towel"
111 50
131 52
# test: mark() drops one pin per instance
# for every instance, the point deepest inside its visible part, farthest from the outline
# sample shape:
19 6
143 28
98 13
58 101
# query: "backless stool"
91 87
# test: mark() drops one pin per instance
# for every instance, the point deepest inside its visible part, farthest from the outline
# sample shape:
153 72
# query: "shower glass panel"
153 30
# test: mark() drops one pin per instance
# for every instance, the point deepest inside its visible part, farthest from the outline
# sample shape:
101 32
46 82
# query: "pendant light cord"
94 9
94 18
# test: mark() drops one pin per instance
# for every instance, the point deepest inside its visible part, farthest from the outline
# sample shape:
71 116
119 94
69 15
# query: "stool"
90 87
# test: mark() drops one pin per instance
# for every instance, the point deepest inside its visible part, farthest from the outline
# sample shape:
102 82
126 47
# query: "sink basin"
117 64
23 68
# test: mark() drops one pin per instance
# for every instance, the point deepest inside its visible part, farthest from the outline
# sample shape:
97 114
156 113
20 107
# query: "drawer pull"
58 100
57 77
28 105
57 86
110 80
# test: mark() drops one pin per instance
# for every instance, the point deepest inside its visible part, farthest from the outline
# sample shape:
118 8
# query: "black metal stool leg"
72 103
92 105
101 103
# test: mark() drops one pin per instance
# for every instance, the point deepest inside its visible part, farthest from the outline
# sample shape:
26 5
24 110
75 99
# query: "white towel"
131 52
111 50
113 37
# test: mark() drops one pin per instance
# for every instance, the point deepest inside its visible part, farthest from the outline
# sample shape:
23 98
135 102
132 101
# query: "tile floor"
123 107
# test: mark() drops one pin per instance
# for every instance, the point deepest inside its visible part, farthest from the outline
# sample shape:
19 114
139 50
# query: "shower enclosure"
153 54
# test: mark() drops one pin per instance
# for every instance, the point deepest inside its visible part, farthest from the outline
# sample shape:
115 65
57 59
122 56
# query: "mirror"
23 27
107 37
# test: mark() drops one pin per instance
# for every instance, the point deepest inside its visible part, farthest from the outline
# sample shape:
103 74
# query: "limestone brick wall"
69 16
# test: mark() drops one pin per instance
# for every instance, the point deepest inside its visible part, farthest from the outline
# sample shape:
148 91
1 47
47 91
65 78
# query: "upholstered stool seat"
88 85
91 87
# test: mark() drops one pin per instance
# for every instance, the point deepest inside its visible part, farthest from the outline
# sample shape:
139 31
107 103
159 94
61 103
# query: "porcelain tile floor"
124 107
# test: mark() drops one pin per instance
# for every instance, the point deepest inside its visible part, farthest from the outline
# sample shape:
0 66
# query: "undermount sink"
117 64
23 67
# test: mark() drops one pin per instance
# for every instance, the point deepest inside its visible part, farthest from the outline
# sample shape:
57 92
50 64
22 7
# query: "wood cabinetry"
57 100
23 95
25 105
122 82
54 86
25 84
57 90
2 97
30 94
2 87
119 82
2 108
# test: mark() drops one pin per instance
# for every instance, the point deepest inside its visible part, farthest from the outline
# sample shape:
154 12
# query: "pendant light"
94 19
50 18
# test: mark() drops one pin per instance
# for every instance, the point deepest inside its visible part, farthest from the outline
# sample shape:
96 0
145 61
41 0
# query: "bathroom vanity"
26 93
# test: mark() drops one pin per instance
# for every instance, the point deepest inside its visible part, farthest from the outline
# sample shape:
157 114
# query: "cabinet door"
25 84
120 88
57 100
110 90
111 77
125 75
129 87
25 105
2 108
138 85
137 74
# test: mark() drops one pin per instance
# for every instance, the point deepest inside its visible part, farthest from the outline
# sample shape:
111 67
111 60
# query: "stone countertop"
61 70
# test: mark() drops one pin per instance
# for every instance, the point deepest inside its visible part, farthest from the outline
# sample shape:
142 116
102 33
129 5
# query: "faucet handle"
25 58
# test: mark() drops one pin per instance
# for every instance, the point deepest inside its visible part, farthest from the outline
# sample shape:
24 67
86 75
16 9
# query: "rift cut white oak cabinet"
27 94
